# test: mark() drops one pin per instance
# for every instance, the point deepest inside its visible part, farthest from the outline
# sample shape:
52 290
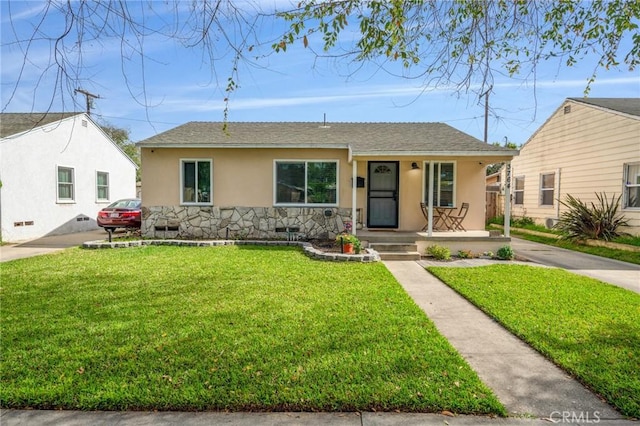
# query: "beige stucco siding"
586 149
241 177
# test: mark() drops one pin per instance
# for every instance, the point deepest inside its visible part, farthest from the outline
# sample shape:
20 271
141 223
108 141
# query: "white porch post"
430 200
354 187
507 200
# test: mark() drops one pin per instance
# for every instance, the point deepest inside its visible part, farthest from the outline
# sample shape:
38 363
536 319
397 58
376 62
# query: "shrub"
522 222
505 253
465 254
439 252
598 222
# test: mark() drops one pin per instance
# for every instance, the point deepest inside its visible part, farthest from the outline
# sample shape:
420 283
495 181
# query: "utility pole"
486 113
89 98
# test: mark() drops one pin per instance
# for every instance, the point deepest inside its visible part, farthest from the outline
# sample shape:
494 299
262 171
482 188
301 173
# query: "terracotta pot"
347 248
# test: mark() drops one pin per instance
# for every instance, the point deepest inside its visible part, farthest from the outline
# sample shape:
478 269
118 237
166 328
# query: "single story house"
267 179
57 171
587 146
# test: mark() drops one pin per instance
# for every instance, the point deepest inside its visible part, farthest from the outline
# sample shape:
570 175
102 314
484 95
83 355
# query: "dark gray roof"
13 123
629 106
363 138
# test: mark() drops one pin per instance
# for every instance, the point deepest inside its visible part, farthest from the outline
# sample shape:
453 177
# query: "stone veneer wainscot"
202 222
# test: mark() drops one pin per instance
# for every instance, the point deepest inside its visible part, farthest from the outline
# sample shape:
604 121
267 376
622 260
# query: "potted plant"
349 243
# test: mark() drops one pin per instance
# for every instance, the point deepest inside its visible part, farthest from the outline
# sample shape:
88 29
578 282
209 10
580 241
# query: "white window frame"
516 190
542 190
98 186
306 162
425 190
72 184
181 172
628 184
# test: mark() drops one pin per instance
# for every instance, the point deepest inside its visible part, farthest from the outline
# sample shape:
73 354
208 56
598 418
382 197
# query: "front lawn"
234 327
589 328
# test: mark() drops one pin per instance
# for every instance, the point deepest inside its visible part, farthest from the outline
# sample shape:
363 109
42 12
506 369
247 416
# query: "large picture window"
547 187
306 182
196 182
443 184
102 186
632 185
66 192
518 191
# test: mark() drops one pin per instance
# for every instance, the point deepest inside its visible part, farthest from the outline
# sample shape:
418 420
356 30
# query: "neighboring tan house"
57 171
587 146
262 180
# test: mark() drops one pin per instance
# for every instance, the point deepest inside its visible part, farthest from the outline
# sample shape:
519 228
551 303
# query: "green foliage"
465 254
121 138
505 253
598 221
439 252
345 238
461 42
238 328
588 328
516 221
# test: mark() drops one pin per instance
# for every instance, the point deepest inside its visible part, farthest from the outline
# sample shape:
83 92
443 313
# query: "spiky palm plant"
598 221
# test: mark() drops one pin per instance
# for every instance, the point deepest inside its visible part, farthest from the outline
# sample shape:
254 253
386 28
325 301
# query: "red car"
121 214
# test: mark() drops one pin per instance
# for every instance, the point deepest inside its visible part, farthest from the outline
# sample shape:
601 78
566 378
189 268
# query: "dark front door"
382 196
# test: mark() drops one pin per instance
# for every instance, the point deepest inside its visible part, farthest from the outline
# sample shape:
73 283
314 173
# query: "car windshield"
125 204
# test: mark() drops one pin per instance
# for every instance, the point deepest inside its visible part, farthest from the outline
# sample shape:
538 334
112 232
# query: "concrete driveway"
622 274
49 244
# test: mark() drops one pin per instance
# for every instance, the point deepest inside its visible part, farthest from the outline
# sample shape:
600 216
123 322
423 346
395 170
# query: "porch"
411 245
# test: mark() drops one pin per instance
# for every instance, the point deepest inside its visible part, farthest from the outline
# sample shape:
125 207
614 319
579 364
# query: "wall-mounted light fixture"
415 166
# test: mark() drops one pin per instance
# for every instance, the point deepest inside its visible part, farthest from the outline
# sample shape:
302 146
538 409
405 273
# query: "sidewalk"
132 418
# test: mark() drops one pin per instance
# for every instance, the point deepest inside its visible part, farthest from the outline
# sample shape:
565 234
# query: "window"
547 186
306 182
65 184
631 185
518 191
102 186
443 184
196 179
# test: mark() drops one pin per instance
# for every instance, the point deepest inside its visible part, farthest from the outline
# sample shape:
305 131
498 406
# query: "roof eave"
241 146
509 154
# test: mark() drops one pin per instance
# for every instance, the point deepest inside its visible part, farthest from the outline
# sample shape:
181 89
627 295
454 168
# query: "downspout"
559 195
430 201
507 200
354 188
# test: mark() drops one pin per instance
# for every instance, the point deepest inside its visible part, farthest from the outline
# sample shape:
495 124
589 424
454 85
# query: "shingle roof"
14 123
629 106
363 138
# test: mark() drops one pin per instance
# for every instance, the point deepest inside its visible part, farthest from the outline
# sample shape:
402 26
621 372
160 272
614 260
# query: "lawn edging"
369 255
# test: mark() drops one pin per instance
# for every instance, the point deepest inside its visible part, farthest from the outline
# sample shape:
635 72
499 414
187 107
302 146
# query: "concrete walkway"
523 380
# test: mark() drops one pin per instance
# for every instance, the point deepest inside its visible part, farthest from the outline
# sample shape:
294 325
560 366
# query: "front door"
382 196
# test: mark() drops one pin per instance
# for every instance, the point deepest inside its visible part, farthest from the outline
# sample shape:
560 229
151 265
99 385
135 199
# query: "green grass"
622 255
589 328
224 328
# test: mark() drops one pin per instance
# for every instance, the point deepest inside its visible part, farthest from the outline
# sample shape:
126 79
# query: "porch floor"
407 236
477 241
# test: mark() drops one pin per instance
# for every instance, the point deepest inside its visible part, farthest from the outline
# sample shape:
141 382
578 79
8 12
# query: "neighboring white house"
57 170
587 146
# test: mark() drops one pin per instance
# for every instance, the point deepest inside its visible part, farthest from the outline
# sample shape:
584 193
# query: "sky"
175 85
